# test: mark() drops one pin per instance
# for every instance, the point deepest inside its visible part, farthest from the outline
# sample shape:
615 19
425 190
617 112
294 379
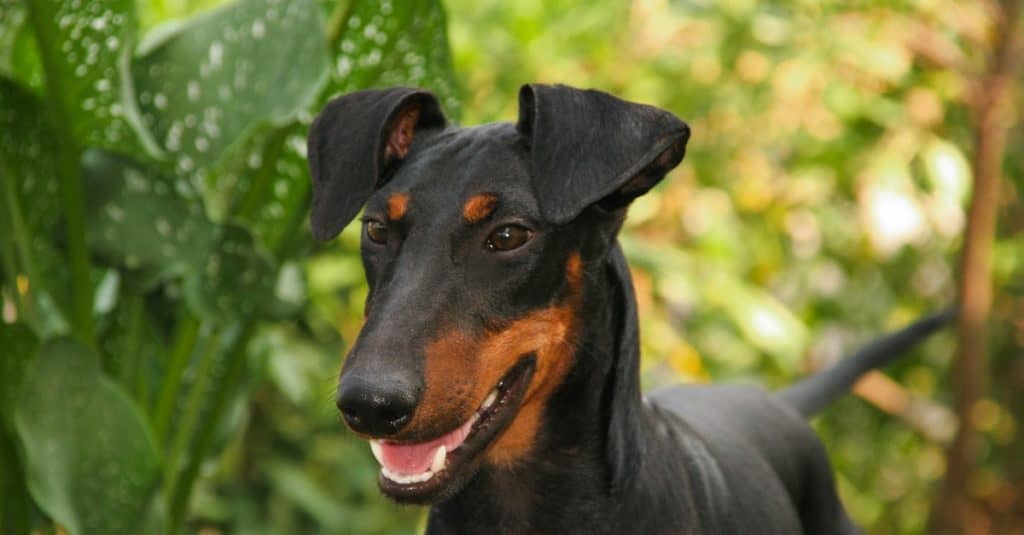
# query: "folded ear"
356 143
589 147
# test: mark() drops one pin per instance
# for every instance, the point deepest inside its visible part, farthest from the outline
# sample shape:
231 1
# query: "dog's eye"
507 238
377 231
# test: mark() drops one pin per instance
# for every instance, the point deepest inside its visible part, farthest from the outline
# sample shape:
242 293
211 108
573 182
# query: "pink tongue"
408 459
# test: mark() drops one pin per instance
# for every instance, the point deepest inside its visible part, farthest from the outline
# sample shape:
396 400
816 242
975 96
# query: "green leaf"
236 280
32 202
91 460
273 186
87 42
764 321
23 151
19 57
204 85
296 485
19 344
142 218
12 18
395 43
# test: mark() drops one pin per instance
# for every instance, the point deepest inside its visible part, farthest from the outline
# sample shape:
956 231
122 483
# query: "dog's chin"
450 471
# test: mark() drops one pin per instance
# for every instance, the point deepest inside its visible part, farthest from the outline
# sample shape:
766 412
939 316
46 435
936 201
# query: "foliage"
152 159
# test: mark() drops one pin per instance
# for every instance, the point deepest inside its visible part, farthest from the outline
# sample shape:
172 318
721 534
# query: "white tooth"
490 399
407 479
439 457
375 448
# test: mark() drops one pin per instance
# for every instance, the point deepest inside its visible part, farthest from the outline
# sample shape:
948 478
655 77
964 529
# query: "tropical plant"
154 193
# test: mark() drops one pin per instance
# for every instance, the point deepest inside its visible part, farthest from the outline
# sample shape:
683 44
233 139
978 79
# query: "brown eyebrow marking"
479 207
397 203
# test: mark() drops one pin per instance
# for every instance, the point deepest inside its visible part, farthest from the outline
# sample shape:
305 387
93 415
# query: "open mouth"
424 471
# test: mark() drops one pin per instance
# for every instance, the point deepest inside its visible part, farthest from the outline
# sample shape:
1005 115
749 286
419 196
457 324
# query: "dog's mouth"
430 471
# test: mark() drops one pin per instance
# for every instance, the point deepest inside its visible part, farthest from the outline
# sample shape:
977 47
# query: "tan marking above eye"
397 205
478 207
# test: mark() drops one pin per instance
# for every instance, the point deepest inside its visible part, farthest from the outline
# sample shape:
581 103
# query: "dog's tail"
817 391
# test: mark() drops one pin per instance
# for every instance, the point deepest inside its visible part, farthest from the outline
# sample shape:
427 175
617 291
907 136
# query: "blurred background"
171 334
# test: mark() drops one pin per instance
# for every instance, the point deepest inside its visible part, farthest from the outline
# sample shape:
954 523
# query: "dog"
496 376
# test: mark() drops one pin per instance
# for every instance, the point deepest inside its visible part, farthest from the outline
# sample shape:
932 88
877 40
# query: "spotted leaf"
203 86
87 42
91 461
141 218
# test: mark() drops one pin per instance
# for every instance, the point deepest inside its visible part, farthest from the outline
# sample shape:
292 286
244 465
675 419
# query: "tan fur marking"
552 333
452 384
461 370
479 207
397 204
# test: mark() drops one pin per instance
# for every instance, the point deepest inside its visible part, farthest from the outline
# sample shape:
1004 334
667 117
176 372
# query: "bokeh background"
171 334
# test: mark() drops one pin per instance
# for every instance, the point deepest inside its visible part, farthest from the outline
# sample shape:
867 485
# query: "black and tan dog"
496 376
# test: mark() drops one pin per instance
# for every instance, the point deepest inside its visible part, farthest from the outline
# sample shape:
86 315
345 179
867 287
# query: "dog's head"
477 244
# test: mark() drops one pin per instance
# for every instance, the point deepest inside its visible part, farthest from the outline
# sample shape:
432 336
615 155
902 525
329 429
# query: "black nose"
376 407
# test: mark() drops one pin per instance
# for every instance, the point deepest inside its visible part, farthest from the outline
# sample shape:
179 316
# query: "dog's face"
476 244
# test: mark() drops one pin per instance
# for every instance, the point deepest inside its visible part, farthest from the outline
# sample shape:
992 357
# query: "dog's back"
763 469
756 458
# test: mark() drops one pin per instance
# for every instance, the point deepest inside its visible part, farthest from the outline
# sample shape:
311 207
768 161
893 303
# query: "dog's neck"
570 480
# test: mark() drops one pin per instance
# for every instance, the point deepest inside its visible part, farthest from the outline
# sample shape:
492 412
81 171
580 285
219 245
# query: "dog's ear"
589 147
625 446
356 143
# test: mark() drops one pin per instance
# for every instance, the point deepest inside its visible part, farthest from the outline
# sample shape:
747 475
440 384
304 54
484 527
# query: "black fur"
588 146
346 151
688 459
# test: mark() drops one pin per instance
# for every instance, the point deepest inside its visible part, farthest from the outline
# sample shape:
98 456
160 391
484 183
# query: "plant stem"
181 350
264 179
182 491
339 20
131 374
69 171
190 416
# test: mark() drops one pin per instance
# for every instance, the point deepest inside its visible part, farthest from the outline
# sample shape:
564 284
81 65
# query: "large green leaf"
12 17
395 43
19 344
32 203
23 153
16 505
203 85
19 57
236 280
87 42
91 460
142 218
273 185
